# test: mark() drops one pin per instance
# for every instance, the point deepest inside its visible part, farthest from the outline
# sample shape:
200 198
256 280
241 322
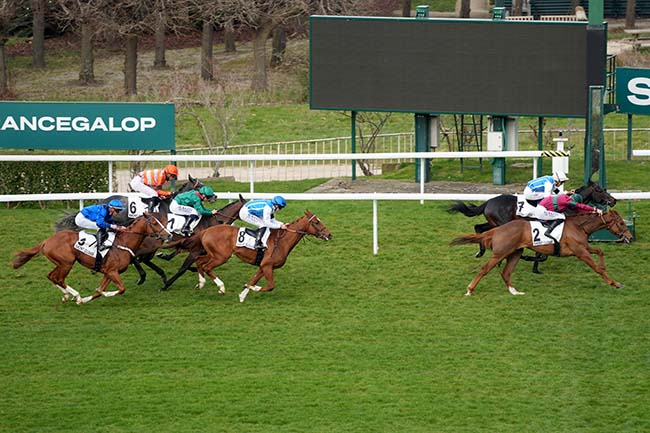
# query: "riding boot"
186 231
550 226
258 239
101 236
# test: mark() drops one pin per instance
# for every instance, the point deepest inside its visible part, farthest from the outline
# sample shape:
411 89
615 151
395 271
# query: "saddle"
87 243
176 222
246 237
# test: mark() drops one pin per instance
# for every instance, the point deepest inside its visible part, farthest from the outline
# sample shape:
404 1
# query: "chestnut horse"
503 208
509 240
59 249
219 243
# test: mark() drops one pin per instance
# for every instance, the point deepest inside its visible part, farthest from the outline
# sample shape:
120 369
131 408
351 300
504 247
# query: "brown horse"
59 249
219 242
508 241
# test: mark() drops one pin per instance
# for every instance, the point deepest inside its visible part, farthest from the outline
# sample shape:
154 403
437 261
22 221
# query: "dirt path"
366 185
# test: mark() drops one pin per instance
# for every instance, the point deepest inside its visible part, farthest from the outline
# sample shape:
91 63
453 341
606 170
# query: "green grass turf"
348 341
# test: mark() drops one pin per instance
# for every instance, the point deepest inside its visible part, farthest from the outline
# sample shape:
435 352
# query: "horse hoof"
620 286
140 282
538 272
468 293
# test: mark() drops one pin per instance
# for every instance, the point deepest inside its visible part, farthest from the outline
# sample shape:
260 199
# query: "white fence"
375 197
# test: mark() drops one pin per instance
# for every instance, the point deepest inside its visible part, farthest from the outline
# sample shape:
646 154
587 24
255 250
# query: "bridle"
156 234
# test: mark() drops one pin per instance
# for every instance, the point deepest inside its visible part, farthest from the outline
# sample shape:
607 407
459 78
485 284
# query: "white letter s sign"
640 89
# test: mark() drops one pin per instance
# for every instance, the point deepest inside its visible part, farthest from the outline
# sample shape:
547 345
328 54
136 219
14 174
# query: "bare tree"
279 46
517 7
207 42
630 14
369 126
229 40
159 61
8 11
38 33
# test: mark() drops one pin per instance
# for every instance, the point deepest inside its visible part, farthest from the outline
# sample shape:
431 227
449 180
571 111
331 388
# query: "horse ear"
191 179
241 198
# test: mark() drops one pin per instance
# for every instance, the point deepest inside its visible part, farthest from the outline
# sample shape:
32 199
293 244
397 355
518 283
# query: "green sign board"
94 125
633 90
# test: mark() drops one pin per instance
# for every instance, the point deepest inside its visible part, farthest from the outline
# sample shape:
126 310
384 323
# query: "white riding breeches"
250 218
544 214
138 185
529 194
180 209
81 221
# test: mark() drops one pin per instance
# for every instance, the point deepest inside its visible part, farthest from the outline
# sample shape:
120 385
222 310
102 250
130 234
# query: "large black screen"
454 66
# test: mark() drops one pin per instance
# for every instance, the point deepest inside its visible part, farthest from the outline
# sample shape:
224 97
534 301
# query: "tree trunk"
87 72
406 8
517 7
260 79
229 40
131 65
4 76
464 9
279 46
159 61
630 14
38 37
207 39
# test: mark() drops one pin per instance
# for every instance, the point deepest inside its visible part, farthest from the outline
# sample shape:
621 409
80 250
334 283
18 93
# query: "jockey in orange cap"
149 183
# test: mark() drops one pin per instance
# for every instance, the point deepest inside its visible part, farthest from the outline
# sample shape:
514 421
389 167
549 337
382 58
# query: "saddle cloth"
87 243
246 238
176 222
524 209
537 230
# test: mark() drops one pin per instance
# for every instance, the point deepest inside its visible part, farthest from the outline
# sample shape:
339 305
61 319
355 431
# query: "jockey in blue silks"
99 217
542 187
261 213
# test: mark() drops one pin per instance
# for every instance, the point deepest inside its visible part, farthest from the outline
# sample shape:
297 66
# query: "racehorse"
145 254
509 240
67 222
60 250
220 243
503 208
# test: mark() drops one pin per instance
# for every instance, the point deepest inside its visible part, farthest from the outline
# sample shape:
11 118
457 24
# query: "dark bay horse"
503 208
508 241
145 254
59 249
220 244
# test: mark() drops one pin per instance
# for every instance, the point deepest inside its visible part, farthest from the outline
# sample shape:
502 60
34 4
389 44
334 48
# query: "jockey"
260 213
99 217
149 184
189 204
544 186
552 209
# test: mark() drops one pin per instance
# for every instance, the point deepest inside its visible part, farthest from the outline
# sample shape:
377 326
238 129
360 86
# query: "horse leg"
599 253
138 267
156 269
206 266
168 256
585 256
487 267
184 267
57 276
511 263
99 292
251 285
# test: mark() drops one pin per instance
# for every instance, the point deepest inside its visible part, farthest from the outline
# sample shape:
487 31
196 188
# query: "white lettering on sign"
640 88
78 124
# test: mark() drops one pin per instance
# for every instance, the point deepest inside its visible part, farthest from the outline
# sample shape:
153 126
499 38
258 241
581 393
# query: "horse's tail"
485 239
67 223
24 256
467 210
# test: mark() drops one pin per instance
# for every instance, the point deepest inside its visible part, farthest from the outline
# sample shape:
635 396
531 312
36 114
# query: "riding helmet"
279 201
116 204
206 191
560 176
171 170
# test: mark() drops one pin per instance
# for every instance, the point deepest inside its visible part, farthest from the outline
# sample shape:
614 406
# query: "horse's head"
617 226
316 227
191 184
230 212
156 226
594 193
